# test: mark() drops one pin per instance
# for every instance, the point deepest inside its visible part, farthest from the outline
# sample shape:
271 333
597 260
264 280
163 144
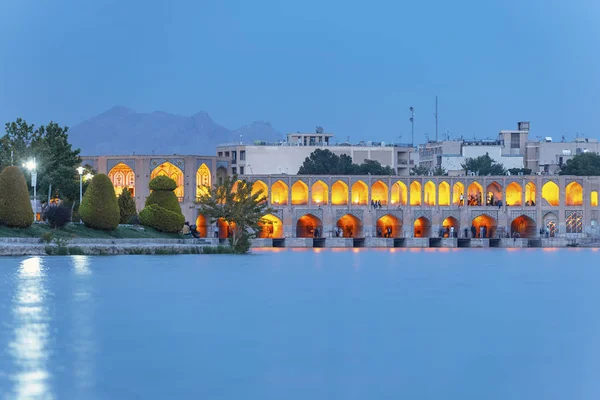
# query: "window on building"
234 170
242 155
226 154
515 141
241 170
220 154
233 157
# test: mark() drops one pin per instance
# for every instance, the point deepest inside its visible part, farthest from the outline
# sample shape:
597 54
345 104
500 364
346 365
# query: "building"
286 157
512 149
134 173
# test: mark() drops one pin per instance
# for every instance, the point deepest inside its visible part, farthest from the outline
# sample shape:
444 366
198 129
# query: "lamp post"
31 166
80 170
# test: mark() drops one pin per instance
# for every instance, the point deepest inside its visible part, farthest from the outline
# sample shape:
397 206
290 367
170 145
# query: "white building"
286 157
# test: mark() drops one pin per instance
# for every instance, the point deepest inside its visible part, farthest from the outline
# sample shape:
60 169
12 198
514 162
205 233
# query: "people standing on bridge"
462 200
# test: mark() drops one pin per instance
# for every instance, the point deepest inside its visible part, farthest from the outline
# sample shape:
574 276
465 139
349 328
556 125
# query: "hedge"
15 206
162 183
165 199
99 208
161 219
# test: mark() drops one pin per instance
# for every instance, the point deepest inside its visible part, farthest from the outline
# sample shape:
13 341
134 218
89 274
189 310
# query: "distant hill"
122 131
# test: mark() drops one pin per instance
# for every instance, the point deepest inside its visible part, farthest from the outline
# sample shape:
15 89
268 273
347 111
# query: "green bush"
47 237
76 251
217 250
161 219
165 199
58 216
15 206
99 208
126 207
162 183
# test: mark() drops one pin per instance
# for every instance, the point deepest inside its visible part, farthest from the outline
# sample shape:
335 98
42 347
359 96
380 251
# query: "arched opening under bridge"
350 226
484 227
389 226
309 226
422 227
450 228
270 227
523 227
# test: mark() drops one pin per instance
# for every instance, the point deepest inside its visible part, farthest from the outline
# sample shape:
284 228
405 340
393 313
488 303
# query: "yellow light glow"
319 192
339 193
550 193
279 193
429 194
574 194
444 194
360 193
594 199
299 193
514 194
415 193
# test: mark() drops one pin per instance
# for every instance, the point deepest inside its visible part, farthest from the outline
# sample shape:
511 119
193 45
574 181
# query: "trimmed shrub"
15 206
58 216
161 219
162 183
134 220
99 208
165 199
126 206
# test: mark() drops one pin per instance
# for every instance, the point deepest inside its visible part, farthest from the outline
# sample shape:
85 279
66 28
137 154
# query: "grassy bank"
81 231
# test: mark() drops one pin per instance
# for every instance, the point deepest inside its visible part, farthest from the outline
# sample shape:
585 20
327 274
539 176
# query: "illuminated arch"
574 194
258 186
360 193
203 180
399 193
486 221
550 222
493 194
339 193
594 198
279 193
530 190
299 193
122 178
170 170
224 228
320 193
444 194
524 226
429 193
457 190
350 226
422 227
306 225
202 226
270 227
415 193
389 222
379 191
448 223
514 194
475 195
550 193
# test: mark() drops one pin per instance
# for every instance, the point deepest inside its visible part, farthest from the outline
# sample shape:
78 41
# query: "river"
303 324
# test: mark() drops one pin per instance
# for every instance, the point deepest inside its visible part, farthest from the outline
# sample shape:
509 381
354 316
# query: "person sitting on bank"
194 232
186 229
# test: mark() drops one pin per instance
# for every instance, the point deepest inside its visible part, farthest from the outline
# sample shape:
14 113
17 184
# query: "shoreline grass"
80 231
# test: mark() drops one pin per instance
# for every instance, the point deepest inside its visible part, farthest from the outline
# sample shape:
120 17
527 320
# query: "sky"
352 67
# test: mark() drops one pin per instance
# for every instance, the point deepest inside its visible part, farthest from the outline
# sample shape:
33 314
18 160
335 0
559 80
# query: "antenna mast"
436 118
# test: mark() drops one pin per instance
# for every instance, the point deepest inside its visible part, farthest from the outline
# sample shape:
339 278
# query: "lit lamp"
80 170
31 166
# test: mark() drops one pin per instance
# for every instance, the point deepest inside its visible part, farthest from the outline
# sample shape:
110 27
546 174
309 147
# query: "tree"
439 171
15 206
126 207
162 211
324 162
56 160
419 170
241 209
99 208
373 167
584 164
484 165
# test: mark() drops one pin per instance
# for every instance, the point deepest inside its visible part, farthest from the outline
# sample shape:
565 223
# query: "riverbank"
21 246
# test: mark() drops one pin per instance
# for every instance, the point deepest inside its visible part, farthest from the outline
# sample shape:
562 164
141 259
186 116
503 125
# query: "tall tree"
320 162
484 165
374 167
239 207
439 171
584 164
56 159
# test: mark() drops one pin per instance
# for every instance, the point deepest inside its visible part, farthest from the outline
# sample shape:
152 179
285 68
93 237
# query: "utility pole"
412 125
436 118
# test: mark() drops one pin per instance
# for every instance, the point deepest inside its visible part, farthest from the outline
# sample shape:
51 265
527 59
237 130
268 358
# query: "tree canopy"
56 159
233 201
419 170
584 164
484 165
325 162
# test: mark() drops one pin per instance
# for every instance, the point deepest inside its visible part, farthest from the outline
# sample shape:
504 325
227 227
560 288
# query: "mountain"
122 131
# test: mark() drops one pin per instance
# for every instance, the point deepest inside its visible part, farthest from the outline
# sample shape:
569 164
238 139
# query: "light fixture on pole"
80 170
31 166
412 125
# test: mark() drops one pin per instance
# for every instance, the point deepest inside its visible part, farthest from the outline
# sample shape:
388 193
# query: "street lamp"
31 166
80 169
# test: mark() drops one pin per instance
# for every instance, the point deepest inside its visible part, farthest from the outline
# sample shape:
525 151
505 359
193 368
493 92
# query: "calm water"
307 324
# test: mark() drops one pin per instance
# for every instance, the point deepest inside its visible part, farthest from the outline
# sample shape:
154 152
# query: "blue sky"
351 67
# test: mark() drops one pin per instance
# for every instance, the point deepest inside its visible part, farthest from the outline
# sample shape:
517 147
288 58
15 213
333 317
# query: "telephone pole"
412 125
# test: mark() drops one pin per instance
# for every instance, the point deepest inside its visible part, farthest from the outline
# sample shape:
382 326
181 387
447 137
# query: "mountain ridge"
121 130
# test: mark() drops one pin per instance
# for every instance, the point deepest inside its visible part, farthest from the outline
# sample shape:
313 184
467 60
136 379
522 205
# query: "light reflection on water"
29 348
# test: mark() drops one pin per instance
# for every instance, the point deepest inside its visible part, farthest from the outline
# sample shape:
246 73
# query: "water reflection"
30 349
82 313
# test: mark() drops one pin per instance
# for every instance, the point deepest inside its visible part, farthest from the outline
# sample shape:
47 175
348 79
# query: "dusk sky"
352 67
